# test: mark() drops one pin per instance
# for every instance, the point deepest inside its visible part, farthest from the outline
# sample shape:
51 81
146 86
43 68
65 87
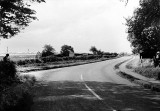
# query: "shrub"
16 98
21 62
14 91
7 69
28 79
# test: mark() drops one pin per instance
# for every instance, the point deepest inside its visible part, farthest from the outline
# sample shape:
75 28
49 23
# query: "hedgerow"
58 59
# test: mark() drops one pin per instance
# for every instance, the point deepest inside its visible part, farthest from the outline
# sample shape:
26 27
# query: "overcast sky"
79 23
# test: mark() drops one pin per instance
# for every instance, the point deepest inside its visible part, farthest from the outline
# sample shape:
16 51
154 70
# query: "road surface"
100 72
91 87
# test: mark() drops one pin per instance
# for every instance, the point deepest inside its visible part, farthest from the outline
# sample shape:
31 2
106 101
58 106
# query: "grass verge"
147 70
145 84
117 65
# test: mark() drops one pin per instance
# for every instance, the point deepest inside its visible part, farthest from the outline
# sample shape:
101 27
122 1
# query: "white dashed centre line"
96 95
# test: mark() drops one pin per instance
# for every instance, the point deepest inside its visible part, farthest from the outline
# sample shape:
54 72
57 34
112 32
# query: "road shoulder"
126 73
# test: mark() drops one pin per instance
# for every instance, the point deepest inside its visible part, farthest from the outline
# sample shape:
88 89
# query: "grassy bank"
149 72
146 69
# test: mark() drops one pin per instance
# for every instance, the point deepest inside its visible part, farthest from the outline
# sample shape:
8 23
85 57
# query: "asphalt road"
92 82
100 72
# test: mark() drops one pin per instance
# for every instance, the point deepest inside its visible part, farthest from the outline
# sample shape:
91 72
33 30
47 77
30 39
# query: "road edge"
145 84
66 65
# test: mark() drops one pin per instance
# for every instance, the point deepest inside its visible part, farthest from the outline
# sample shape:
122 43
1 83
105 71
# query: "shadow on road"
74 96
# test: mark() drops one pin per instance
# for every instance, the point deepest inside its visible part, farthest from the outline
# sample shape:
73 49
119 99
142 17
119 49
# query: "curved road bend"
98 83
100 72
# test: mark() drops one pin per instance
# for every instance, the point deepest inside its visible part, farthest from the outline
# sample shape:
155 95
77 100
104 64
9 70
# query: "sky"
78 23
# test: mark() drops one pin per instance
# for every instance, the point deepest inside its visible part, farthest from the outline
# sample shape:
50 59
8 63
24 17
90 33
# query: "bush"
29 79
8 74
14 91
16 98
21 62
7 69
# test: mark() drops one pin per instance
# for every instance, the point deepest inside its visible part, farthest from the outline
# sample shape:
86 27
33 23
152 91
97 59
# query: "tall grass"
146 69
150 72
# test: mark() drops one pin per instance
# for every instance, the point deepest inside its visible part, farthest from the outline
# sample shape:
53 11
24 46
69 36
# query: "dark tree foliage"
15 15
143 27
48 50
8 74
11 69
99 52
66 49
93 49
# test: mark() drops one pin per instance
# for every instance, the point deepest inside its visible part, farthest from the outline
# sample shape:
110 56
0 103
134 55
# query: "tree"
93 49
99 52
48 50
143 27
66 49
15 15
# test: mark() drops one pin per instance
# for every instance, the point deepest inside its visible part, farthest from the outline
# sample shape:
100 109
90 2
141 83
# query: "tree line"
48 50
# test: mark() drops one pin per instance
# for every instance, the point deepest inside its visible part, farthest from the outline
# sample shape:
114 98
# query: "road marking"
82 78
96 95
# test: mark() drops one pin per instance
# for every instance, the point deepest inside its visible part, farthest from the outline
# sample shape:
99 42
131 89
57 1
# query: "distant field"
19 57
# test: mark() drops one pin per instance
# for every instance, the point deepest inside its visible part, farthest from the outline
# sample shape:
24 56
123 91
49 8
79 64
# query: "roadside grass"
117 65
149 72
130 64
136 63
146 69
